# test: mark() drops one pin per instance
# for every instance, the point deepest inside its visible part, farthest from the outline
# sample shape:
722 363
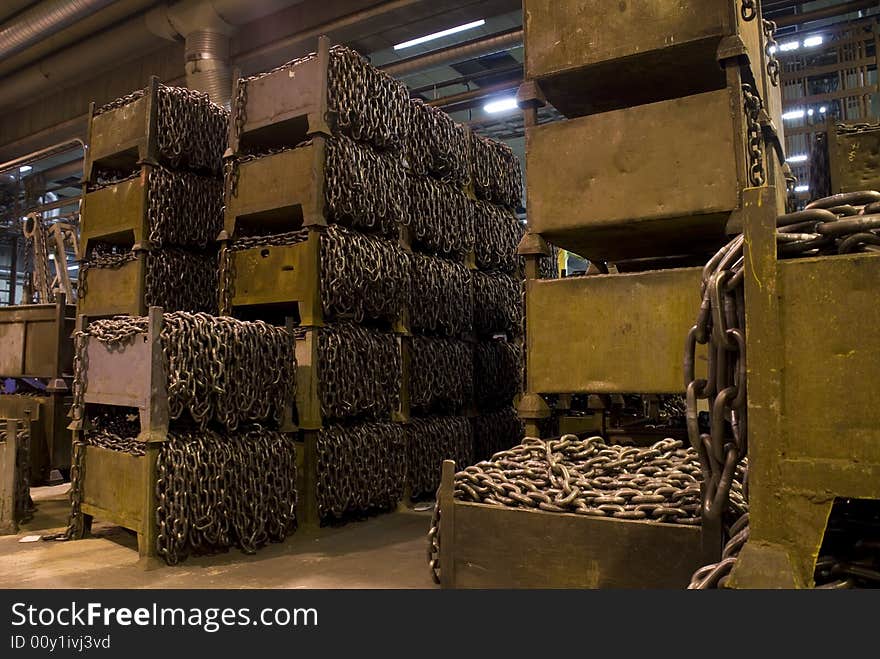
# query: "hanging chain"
440 217
770 49
430 441
749 10
495 172
441 374
497 234
498 304
359 372
216 491
38 243
498 366
753 106
441 301
437 145
361 469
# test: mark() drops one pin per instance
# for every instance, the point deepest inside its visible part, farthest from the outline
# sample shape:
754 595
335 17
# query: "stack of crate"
152 203
440 236
497 286
316 197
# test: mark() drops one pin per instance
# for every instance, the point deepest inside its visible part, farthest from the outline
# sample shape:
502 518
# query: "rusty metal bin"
593 56
854 158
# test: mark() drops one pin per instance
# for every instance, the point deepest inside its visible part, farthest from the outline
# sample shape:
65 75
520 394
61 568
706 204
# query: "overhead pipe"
475 94
464 51
825 12
9 8
43 20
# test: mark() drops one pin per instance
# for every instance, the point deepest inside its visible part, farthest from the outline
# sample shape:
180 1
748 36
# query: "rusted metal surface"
854 158
35 340
610 333
591 56
642 181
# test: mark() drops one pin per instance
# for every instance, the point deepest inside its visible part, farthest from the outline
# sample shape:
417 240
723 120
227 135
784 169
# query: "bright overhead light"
773 50
24 169
502 105
789 45
810 112
802 188
809 42
794 114
801 157
440 35
823 109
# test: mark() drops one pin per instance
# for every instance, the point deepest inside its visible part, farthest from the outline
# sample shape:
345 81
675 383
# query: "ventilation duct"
44 20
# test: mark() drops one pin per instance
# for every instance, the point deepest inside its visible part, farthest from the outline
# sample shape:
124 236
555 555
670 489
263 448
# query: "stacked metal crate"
177 429
440 235
498 296
152 203
315 201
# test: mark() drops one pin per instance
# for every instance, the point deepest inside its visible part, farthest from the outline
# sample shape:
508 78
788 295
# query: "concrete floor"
387 551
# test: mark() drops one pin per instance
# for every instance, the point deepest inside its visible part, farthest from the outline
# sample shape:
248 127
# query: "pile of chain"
184 209
496 431
191 131
496 237
218 368
495 172
216 491
365 189
548 266
441 300
359 372
175 279
441 376
441 218
362 276
437 145
115 429
23 505
497 373
498 304
430 441
841 224
361 469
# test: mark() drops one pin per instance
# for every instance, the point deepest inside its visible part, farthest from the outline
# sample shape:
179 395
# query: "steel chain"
498 366
497 234
749 10
498 304
430 441
359 372
441 218
770 49
437 145
495 172
496 431
184 209
361 469
441 374
441 300
753 106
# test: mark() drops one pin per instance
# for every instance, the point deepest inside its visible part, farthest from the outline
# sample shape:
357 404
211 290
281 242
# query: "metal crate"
35 342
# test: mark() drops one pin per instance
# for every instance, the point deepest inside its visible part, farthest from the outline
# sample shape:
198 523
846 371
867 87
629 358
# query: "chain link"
496 431
498 366
749 10
184 209
498 304
495 172
441 374
441 300
359 372
216 491
361 469
753 106
496 237
437 145
770 49
441 218
430 441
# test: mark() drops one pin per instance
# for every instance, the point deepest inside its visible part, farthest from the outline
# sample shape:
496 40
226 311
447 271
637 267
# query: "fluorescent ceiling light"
794 114
24 169
823 109
440 35
809 42
789 45
502 105
802 157
802 188
810 112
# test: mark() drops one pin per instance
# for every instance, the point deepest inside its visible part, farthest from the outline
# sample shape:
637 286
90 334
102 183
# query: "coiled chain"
361 469
430 441
753 106
497 234
496 431
441 218
362 276
216 491
498 304
441 375
441 300
359 372
184 209
495 172
498 368
437 145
